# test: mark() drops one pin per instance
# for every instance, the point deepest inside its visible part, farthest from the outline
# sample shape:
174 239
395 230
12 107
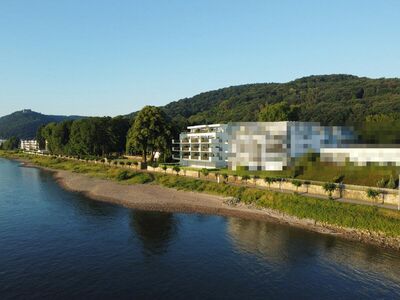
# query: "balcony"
205 140
205 157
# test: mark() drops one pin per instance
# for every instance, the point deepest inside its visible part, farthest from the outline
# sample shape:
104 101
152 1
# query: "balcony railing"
205 140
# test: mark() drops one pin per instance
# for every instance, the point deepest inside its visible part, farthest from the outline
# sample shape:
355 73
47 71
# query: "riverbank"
371 225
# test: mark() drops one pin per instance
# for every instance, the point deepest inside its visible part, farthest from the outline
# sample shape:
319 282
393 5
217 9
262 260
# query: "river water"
61 245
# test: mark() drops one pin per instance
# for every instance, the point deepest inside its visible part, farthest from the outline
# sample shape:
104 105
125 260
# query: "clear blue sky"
113 57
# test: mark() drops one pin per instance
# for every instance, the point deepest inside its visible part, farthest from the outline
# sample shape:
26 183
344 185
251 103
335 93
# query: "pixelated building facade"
275 145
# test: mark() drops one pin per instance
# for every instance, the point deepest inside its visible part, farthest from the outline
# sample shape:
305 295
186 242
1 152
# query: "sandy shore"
155 197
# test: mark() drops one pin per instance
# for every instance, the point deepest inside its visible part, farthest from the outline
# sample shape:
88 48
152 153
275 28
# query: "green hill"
24 124
329 99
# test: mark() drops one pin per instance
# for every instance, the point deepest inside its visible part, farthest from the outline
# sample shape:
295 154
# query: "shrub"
297 184
154 164
391 183
176 169
269 180
245 178
141 178
135 163
224 176
123 175
204 171
122 163
329 187
128 163
164 167
372 194
381 183
255 177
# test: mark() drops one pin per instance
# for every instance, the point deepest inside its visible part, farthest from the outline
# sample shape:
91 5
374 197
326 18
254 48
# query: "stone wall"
314 189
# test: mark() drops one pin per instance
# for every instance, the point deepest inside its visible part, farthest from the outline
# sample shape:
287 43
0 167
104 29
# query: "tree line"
149 132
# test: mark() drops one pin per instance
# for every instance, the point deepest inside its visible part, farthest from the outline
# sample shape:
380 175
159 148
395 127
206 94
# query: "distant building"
255 145
29 145
362 155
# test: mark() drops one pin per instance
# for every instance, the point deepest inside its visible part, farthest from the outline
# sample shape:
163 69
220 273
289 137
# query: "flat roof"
205 126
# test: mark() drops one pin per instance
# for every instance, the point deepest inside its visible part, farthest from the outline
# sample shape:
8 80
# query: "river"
62 245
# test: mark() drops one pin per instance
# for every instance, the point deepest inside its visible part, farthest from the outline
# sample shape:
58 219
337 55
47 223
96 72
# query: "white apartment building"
202 146
254 145
29 145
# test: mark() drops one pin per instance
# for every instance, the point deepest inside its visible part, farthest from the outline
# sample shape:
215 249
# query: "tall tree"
11 144
280 111
119 127
40 137
149 133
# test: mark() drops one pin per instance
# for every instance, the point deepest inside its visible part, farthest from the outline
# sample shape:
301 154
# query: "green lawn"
357 175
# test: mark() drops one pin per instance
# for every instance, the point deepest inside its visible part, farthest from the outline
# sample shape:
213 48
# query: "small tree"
297 184
164 167
280 180
176 169
128 163
391 183
329 187
224 176
269 180
245 178
307 184
255 177
372 194
381 183
205 172
136 164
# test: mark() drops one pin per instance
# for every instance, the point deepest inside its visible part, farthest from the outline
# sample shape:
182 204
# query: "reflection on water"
279 245
155 229
57 244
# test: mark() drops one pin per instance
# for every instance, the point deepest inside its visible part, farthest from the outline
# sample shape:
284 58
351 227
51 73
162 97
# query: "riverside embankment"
366 224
